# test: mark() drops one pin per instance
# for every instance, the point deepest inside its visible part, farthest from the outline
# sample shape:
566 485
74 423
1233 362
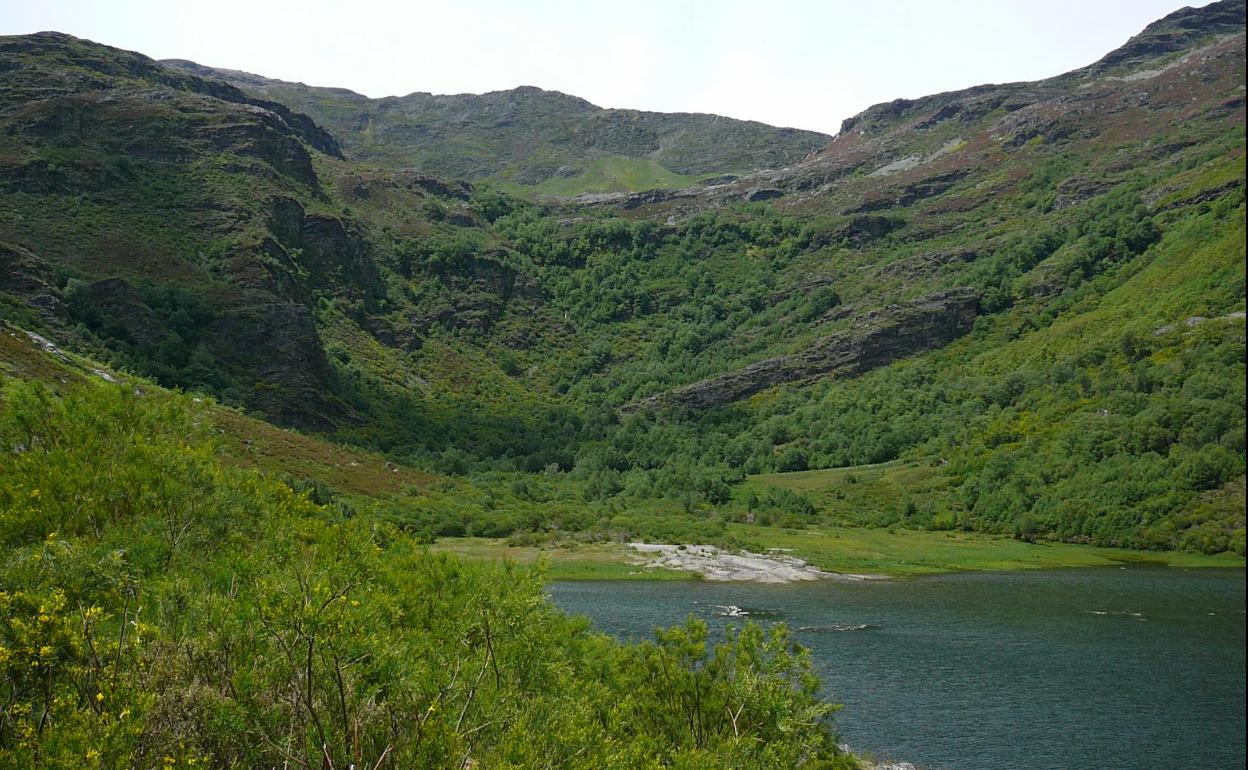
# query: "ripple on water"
1133 669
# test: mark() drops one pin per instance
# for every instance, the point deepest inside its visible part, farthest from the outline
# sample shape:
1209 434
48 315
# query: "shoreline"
838 551
716 564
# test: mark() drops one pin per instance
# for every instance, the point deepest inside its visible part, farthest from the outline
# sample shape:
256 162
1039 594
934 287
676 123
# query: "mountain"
543 141
1015 309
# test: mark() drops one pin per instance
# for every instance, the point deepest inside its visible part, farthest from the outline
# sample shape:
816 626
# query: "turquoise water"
1048 670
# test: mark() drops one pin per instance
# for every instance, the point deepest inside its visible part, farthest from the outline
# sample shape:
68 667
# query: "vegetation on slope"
157 607
529 138
509 343
183 584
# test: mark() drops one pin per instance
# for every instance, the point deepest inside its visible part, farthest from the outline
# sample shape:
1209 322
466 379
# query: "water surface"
1046 670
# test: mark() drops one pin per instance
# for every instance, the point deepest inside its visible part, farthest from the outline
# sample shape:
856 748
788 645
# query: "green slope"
514 344
539 141
160 605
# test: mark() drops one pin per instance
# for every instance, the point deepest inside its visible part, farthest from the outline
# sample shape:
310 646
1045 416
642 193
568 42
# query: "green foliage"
176 351
472 332
158 609
550 143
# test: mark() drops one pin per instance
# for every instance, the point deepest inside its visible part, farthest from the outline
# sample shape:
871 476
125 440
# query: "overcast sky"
807 64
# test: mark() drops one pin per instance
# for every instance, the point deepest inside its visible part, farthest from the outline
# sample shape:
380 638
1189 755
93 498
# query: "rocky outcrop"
275 345
117 306
859 231
1181 29
328 251
28 278
434 185
629 201
928 262
715 564
760 194
873 340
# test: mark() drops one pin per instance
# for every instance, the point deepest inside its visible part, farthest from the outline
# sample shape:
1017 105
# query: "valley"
308 397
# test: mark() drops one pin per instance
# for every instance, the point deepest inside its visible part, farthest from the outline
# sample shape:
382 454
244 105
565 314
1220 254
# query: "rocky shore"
714 563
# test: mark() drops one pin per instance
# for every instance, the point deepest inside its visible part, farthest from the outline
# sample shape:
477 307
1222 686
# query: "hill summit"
530 138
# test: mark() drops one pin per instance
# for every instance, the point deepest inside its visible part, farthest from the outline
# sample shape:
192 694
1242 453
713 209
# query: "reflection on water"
1094 668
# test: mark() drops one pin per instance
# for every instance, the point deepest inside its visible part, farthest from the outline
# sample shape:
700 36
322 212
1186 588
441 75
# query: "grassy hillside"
1030 295
606 175
360 483
533 140
161 606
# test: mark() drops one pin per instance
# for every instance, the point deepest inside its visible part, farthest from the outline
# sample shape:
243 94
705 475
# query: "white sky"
798 63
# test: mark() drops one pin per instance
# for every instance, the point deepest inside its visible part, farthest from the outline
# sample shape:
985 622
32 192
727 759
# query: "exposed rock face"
918 265
447 188
121 307
330 251
759 194
628 201
864 229
276 345
875 339
1177 31
29 278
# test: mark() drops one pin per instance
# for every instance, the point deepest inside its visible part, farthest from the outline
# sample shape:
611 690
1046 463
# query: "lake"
1045 670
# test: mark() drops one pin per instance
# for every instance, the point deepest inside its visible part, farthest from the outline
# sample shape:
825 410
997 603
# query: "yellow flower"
99 696
93 753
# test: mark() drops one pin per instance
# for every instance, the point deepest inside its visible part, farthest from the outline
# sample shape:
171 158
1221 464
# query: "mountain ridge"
533 135
265 407
458 327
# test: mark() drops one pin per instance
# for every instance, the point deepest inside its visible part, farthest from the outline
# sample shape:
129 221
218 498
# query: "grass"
580 561
19 357
918 552
613 174
253 443
901 553
360 475
861 494
824 479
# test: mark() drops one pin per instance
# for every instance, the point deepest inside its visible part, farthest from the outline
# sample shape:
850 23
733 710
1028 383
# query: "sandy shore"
715 563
